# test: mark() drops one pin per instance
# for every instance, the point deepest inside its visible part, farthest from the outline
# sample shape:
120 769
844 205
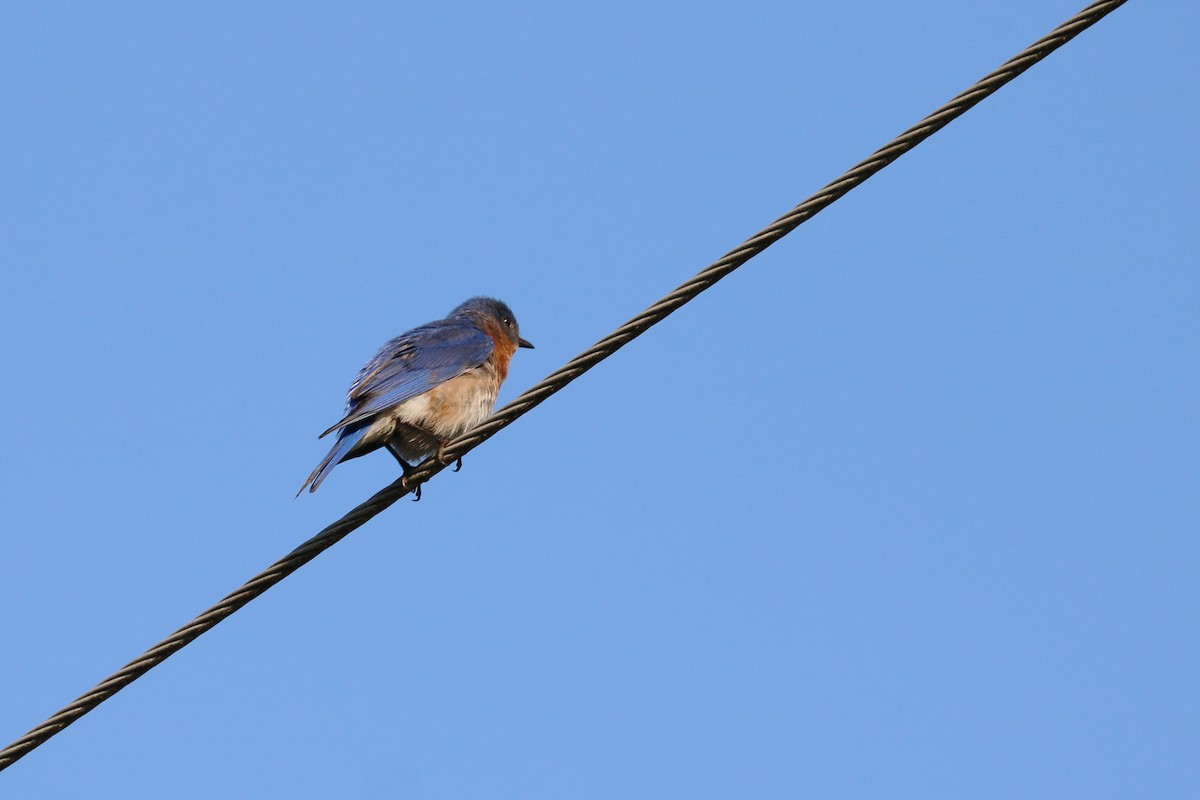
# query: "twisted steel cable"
557 380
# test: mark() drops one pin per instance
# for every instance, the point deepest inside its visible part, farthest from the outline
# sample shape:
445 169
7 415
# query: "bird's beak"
524 343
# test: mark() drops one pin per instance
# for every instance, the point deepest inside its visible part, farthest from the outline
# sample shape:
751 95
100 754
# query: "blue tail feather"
346 442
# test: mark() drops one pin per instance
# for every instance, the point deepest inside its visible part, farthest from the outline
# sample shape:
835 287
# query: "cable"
560 378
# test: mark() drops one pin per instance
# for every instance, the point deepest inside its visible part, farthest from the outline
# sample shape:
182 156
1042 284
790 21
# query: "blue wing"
414 363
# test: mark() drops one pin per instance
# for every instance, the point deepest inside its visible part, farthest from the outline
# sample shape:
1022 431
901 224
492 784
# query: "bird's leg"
408 470
441 456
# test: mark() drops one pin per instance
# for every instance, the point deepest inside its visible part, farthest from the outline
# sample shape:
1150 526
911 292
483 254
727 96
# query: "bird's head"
494 317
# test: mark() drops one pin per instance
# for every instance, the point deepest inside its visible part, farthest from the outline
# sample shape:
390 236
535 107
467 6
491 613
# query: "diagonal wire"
560 378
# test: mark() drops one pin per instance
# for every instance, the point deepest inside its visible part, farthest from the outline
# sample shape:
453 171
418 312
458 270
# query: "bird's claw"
415 488
441 457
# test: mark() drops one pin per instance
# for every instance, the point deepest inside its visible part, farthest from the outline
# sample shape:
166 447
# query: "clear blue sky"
908 507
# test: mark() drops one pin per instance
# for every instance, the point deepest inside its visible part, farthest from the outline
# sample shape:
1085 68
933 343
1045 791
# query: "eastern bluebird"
426 387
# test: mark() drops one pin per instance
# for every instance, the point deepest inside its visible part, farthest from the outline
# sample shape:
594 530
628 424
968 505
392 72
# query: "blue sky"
907 507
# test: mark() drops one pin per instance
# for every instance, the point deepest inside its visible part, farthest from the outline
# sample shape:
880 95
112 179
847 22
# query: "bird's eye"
507 321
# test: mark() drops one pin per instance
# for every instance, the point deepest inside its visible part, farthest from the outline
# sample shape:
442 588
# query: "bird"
426 387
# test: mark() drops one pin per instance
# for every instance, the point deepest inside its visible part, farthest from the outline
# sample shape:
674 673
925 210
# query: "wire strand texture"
557 380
